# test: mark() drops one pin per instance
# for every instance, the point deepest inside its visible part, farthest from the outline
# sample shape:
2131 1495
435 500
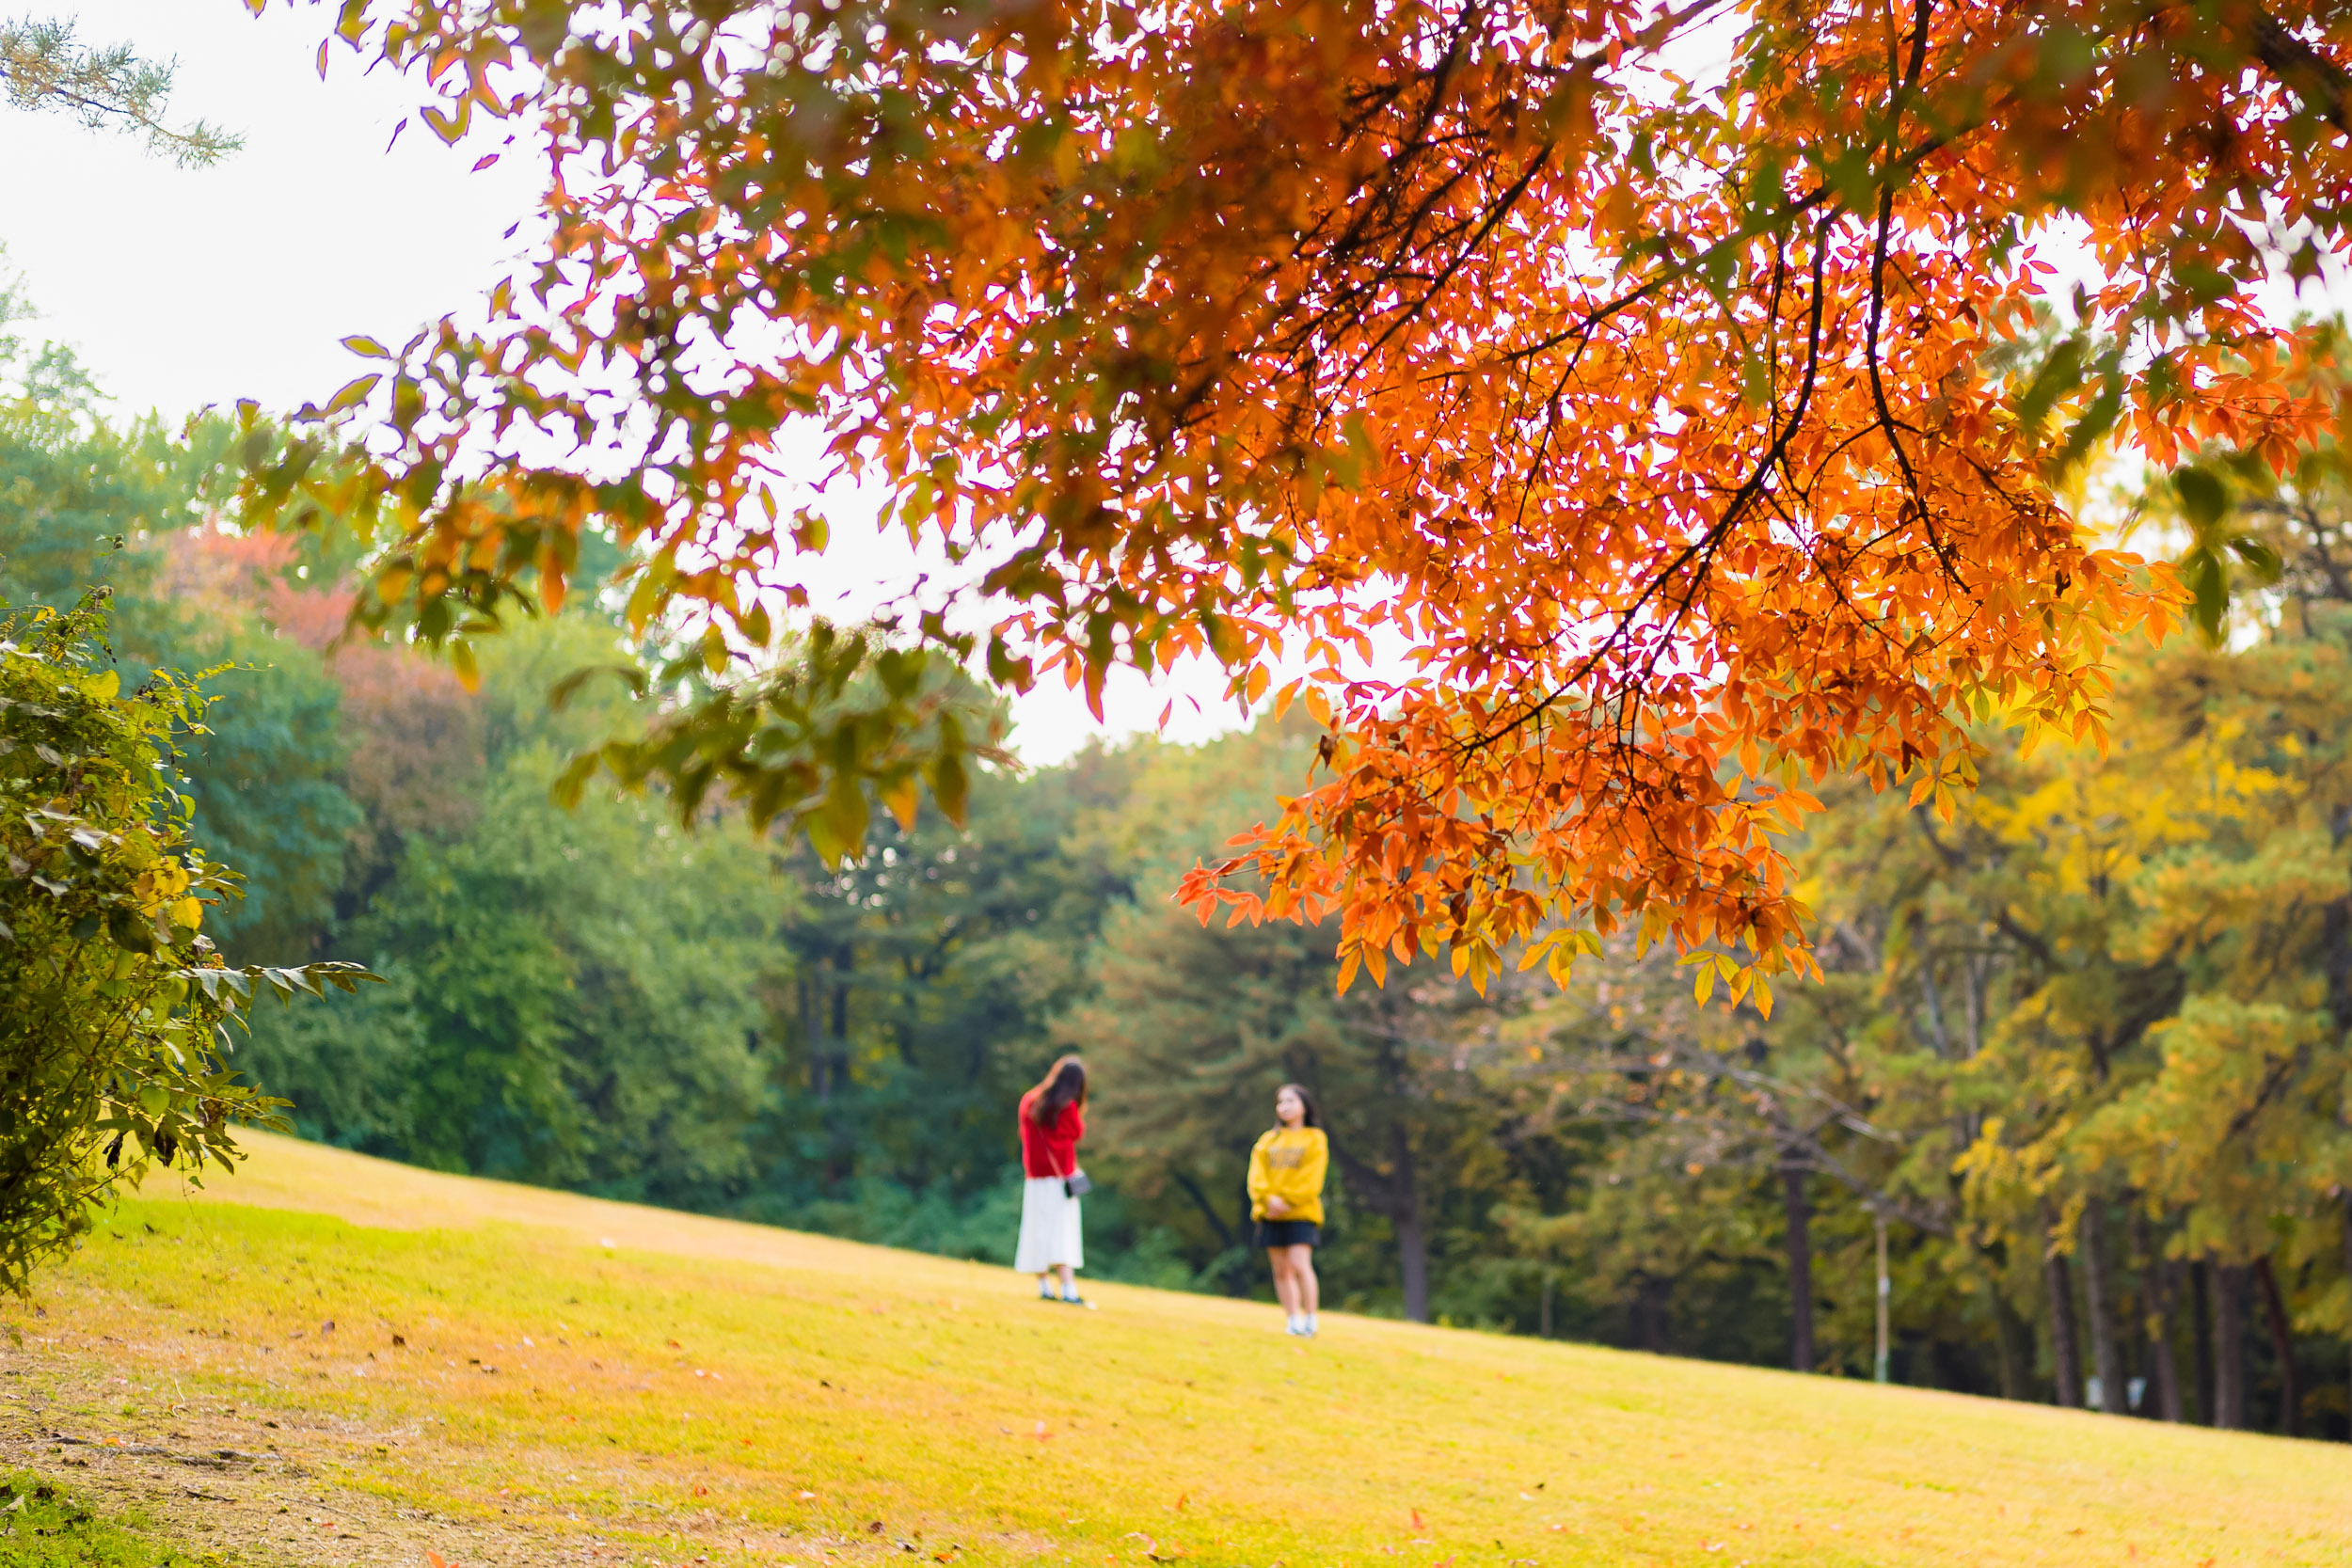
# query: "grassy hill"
409 1363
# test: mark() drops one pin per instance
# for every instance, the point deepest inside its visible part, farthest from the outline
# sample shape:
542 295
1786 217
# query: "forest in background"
2080 1046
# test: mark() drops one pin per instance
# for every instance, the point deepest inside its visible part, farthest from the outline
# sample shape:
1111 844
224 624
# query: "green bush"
116 1024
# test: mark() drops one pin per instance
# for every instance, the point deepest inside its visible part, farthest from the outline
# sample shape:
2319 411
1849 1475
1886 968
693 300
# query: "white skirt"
1049 1228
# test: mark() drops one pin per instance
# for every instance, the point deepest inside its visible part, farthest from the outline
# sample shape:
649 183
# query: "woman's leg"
1069 1284
1285 1288
1303 1282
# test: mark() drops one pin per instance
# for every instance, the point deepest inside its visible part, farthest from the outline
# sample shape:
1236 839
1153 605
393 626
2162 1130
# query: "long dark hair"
1064 1083
1314 1118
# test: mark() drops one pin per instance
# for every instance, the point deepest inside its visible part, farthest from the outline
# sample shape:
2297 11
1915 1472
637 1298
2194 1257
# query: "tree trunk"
2106 1350
2160 1302
2012 1344
1800 1267
2201 1338
2229 1347
1191 1189
2346 1205
2065 1358
2283 1343
2162 1332
1412 1248
1649 1313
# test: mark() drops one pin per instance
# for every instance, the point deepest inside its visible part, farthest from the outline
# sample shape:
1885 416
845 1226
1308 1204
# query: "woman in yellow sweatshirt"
1286 1199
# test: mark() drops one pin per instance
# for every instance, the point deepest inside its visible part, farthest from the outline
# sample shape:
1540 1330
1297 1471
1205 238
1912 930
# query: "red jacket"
1050 1150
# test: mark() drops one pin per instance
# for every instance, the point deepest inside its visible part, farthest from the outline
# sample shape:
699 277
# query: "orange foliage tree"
1627 359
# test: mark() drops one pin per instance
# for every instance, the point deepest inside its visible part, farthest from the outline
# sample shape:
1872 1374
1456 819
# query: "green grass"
705 1389
43 1526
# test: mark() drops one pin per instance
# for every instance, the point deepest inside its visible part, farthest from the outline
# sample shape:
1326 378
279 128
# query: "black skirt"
1273 1233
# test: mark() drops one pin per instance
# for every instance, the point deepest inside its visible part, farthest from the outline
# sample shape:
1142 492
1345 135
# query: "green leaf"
563 691
130 931
2203 498
2209 588
354 393
2059 375
951 787
2258 557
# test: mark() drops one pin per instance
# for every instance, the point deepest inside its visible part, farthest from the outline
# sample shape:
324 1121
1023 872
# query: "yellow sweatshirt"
1289 1161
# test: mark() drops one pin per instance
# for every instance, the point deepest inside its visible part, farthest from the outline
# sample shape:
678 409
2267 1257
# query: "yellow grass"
668 1388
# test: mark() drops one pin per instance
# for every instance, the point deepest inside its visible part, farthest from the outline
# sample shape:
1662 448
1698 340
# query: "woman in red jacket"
1053 1120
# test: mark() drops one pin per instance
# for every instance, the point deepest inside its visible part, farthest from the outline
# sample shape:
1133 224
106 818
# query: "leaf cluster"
45 68
841 719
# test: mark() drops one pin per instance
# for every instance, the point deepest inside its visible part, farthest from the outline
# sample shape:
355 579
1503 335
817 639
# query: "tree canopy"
1639 364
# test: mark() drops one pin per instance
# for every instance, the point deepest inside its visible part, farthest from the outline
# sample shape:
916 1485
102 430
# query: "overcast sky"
182 288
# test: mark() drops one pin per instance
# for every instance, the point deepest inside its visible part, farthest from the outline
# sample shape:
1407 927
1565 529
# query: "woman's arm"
1318 1160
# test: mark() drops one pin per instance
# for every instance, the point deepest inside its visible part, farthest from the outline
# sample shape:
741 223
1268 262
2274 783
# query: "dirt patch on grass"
260 1486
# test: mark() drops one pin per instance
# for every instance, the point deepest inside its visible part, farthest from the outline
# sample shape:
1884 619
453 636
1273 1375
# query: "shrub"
116 1012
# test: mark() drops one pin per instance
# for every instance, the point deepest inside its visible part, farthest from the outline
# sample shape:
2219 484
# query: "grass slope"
515 1375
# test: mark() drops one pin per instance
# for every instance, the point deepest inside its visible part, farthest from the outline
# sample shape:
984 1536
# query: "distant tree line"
2081 1046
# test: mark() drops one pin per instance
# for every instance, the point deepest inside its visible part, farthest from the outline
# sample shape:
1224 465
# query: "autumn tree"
1622 358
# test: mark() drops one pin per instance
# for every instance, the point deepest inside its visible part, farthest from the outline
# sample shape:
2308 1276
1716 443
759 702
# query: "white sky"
181 288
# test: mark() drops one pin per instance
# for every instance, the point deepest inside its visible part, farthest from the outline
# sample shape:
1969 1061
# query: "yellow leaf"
903 798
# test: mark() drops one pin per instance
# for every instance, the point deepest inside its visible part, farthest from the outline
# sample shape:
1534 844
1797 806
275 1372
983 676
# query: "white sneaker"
1294 1324
1310 1329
